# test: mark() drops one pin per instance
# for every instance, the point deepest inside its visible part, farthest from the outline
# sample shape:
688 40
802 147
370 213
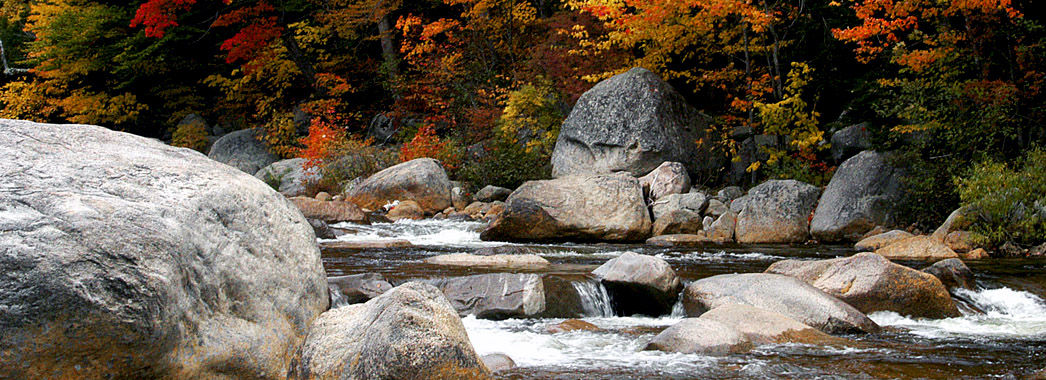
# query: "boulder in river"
351 245
126 258
571 325
683 240
777 211
668 178
496 295
286 176
322 230
778 293
491 193
694 202
863 193
330 211
410 332
871 283
678 222
357 288
953 273
422 180
874 242
606 208
244 150
632 123
640 284
762 326
700 336
497 362
925 248
406 210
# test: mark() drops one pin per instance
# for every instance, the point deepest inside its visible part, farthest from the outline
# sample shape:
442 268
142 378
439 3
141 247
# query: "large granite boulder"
244 150
871 283
632 123
777 211
640 284
778 293
874 242
668 178
286 176
122 257
409 333
694 203
422 180
863 193
608 208
762 326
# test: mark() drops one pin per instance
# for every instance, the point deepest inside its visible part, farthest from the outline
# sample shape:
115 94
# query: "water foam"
1007 313
429 232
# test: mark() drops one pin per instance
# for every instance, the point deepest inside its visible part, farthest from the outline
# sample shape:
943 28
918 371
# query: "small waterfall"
337 299
594 298
677 310
1003 303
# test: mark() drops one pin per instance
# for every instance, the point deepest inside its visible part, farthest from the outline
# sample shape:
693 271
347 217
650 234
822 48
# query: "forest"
956 88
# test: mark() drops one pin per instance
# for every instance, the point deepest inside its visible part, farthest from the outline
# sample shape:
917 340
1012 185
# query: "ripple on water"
1007 314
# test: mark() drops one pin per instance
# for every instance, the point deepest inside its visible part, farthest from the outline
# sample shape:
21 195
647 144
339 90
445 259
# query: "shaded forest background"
956 87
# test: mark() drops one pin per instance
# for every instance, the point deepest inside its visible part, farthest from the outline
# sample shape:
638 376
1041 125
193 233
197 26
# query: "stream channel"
1001 335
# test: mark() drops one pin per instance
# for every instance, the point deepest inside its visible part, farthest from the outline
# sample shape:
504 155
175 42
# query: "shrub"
506 164
427 144
1006 202
191 135
338 157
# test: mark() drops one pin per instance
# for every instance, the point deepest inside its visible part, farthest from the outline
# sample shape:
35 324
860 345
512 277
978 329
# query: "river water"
1001 335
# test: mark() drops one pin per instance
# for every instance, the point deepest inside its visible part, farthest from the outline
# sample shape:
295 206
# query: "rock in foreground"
127 258
409 333
871 283
607 208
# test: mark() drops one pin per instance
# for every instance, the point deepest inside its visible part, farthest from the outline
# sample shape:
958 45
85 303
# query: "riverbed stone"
863 193
358 288
925 248
410 332
682 240
460 197
953 273
761 326
777 211
850 141
605 208
778 293
700 336
729 193
873 243
960 241
871 283
244 150
716 208
498 362
678 222
951 224
321 229
330 211
632 123
640 284
496 295
351 245
694 202
492 193
126 258
406 210
422 180
501 262
668 178
571 325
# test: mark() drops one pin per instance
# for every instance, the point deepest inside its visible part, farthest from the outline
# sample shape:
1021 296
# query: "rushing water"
1001 334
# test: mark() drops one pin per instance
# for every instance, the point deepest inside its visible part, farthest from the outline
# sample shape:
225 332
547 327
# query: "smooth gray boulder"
863 193
640 284
953 273
870 283
497 362
778 293
422 180
410 332
492 193
122 257
700 336
286 176
678 222
667 178
777 211
514 295
690 202
244 150
605 208
632 123
850 141
762 326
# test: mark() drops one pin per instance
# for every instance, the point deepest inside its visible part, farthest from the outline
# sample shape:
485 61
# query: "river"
1001 334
